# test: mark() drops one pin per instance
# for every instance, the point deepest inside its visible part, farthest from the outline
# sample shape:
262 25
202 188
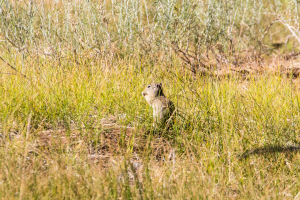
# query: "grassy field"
81 132
74 125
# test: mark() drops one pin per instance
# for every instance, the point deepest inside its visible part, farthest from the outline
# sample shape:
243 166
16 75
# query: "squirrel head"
152 91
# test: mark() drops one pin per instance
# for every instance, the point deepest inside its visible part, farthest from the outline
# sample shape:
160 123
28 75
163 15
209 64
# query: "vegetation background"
74 125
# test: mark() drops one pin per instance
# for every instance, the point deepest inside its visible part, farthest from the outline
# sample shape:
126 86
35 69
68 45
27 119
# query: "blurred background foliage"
202 33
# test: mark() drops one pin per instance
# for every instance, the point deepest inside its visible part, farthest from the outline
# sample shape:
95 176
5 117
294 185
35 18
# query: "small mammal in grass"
163 108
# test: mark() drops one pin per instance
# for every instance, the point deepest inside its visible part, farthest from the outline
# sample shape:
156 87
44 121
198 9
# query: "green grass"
74 125
223 118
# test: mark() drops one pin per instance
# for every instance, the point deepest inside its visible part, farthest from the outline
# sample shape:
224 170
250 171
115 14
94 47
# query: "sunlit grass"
74 125
218 121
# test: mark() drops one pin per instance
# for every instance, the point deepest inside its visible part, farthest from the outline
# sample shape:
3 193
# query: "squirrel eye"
148 86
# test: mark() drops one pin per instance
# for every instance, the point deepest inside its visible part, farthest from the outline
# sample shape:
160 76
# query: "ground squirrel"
163 108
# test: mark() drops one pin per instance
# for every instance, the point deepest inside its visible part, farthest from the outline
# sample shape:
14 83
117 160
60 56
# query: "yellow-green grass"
78 127
207 155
